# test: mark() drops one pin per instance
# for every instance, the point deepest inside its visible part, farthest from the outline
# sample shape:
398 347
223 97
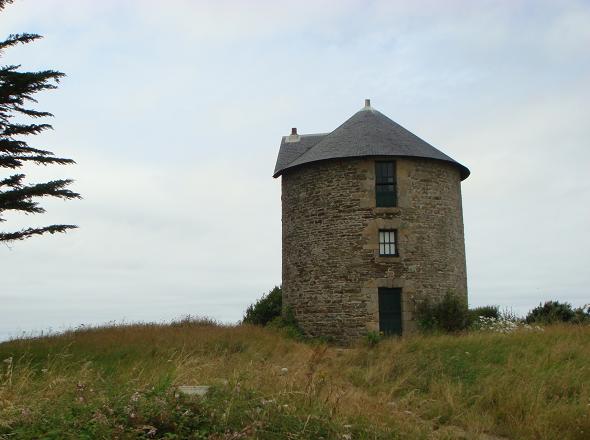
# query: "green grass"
121 382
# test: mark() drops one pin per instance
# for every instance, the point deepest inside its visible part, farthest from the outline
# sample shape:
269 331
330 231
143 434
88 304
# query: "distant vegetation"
121 382
553 311
449 314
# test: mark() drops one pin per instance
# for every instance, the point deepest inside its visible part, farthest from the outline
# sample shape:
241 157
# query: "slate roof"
367 133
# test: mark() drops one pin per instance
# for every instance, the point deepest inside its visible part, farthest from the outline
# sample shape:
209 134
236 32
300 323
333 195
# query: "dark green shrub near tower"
264 310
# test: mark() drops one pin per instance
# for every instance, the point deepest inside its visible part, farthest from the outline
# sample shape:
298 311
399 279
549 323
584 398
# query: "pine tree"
17 89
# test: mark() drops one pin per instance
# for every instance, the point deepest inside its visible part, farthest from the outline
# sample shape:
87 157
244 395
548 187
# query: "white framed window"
388 242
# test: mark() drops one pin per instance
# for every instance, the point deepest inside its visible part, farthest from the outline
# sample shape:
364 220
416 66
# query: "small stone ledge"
388 210
387 259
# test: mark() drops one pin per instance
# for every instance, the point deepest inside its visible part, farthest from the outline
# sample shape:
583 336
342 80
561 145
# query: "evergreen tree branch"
18 87
16 147
17 161
14 181
20 198
14 39
10 162
3 3
27 206
32 113
23 129
29 232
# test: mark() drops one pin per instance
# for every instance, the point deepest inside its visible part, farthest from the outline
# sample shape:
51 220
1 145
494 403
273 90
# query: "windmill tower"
372 223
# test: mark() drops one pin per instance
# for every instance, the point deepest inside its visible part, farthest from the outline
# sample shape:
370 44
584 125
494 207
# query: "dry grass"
119 382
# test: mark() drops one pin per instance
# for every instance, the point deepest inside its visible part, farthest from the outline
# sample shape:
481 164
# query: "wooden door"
390 311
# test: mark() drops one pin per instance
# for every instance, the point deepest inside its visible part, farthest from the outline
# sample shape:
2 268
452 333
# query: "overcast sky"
174 112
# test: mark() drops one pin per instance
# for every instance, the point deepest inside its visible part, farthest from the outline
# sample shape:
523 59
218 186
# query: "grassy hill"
120 382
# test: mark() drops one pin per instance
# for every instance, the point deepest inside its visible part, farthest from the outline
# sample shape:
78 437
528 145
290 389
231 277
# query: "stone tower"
372 224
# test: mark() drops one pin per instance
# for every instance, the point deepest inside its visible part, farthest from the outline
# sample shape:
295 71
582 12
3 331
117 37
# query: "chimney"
367 103
293 137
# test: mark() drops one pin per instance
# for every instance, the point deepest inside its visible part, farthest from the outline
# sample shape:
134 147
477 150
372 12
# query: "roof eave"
463 170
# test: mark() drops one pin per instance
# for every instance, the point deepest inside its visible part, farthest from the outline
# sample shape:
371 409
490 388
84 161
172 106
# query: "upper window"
388 242
385 190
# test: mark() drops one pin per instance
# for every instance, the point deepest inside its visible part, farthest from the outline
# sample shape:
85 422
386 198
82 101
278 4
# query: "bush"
265 309
554 311
484 311
450 314
551 312
582 315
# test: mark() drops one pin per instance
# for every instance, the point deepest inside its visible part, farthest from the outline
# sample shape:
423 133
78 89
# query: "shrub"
265 309
288 325
551 312
582 314
194 321
554 311
450 314
485 312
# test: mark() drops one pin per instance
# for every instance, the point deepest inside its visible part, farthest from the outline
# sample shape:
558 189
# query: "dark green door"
390 311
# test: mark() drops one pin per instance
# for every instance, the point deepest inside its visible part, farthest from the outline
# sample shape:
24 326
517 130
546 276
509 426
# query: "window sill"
387 258
387 210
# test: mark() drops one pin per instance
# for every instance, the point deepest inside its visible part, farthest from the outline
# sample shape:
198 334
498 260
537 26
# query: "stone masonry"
331 264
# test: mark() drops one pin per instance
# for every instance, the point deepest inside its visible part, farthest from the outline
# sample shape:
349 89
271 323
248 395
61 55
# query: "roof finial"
368 103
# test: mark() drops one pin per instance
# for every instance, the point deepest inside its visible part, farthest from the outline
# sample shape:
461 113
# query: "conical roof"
367 133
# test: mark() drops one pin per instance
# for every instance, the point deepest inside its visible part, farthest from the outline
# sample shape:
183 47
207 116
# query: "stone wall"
331 264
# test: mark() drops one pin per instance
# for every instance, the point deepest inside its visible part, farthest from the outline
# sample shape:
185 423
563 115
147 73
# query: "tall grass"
121 381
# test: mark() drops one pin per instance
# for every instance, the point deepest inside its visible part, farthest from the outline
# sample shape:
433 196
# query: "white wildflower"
502 325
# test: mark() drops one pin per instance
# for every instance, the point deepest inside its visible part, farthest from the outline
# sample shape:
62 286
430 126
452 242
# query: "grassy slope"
118 382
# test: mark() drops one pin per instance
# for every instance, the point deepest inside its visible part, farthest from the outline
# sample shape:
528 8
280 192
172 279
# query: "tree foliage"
17 92
265 309
553 312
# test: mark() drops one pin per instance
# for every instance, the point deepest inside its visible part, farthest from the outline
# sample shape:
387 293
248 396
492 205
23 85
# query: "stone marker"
194 390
